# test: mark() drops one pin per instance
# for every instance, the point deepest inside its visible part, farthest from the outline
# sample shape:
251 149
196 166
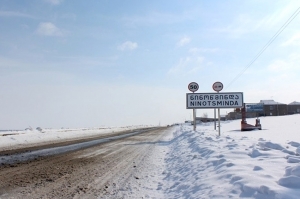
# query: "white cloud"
48 29
289 66
54 2
278 66
246 23
14 14
295 40
128 45
187 65
203 50
184 41
158 18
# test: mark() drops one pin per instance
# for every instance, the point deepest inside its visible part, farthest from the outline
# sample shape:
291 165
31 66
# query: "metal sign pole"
194 115
219 122
219 119
193 86
215 118
218 86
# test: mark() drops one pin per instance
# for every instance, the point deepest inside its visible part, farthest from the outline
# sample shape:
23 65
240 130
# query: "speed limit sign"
193 86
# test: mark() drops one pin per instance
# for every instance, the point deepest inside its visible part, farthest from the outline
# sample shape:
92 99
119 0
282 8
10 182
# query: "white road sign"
214 100
193 86
217 86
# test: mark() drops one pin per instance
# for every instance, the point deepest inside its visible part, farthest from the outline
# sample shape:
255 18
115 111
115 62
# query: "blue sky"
71 63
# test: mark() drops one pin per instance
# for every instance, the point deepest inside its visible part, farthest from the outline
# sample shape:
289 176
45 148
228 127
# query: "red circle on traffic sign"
193 86
217 86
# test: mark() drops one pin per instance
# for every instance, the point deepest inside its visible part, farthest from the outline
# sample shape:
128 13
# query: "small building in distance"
236 114
272 108
252 110
266 108
294 107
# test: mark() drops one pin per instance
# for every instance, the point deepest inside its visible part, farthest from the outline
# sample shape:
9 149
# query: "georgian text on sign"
214 100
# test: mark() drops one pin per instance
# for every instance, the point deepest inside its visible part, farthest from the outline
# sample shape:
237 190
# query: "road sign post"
215 123
214 100
219 121
193 87
218 86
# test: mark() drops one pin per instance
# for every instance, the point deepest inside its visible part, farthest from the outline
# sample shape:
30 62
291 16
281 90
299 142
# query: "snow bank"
255 164
19 139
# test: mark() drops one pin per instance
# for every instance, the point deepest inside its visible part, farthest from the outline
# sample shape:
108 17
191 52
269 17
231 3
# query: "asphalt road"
87 168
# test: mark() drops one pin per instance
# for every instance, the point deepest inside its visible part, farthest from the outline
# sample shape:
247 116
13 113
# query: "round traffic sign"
193 86
217 86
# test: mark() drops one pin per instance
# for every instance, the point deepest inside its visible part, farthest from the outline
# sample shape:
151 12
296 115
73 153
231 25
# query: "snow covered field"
200 164
17 139
254 164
